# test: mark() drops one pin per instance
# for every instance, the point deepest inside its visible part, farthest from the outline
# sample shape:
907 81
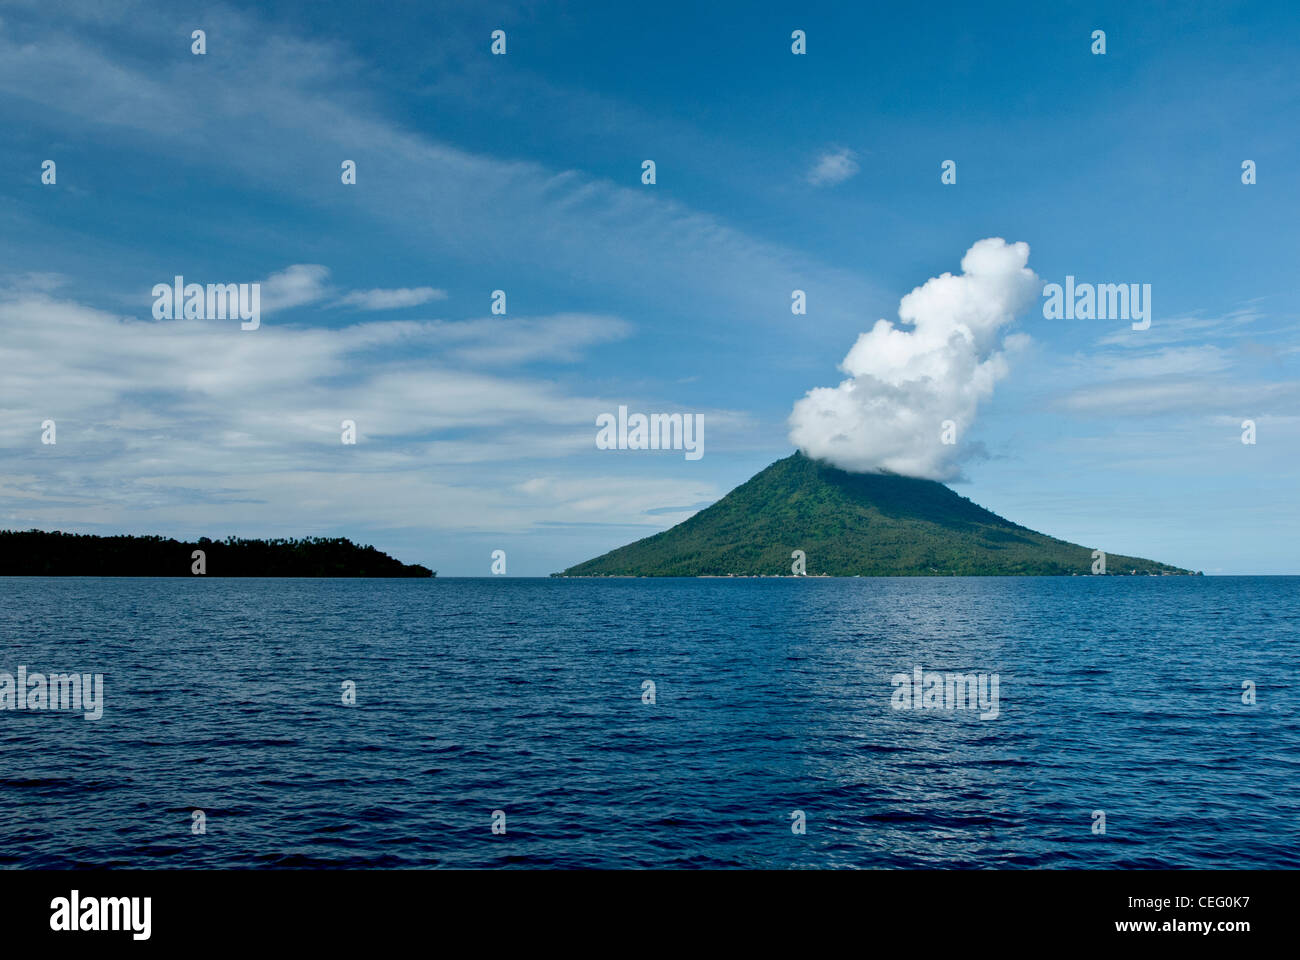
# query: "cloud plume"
937 364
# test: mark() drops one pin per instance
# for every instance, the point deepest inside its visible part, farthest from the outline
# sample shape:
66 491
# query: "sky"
523 172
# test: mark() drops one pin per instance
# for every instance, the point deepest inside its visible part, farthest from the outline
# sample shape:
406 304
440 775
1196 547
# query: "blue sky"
523 173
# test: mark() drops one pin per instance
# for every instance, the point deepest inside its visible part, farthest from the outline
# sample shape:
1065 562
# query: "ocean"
772 736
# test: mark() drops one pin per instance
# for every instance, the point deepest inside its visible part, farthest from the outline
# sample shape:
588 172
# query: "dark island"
853 524
36 553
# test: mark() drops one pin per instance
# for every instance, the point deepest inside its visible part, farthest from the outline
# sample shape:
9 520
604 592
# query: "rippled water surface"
1122 695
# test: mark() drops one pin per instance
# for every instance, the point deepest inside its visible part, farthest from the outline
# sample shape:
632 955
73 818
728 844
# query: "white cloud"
561 337
833 167
904 383
391 299
1161 372
1182 395
295 100
195 425
295 286
1237 323
304 283
1169 361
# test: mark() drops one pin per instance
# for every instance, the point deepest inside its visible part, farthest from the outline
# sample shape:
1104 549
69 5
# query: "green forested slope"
850 524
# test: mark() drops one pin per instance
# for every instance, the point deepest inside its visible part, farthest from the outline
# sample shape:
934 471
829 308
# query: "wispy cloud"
295 286
1190 366
833 167
561 337
1235 323
1193 396
296 100
187 424
391 299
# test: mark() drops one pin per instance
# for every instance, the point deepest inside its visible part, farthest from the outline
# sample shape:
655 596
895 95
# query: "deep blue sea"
1120 695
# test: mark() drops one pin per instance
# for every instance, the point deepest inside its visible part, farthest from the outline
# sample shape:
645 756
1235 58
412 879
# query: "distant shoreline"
869 576
38 553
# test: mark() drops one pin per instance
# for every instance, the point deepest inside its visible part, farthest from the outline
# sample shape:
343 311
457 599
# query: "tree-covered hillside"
850 524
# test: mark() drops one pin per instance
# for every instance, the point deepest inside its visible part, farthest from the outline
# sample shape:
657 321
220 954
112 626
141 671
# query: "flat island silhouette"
36 553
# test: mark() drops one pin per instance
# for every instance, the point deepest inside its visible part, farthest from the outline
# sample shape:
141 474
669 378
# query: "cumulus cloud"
939 363
832 167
